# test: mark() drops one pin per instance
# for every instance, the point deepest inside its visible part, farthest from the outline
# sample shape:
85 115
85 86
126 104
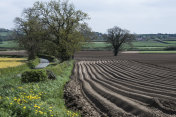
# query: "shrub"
34 76
33 63
51 75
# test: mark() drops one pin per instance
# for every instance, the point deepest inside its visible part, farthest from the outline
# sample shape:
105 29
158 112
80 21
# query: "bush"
34 76
33 63
51 75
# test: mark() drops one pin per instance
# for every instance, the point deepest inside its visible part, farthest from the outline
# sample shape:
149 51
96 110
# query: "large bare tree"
117 37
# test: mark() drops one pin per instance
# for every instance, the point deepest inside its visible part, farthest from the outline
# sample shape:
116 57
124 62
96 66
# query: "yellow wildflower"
35 105
5 64
40 112
20 87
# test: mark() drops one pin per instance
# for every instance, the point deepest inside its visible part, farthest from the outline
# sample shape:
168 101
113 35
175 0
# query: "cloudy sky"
138 16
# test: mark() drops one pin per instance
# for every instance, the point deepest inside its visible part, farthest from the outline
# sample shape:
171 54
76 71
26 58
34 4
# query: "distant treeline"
159 36
5 35
96 36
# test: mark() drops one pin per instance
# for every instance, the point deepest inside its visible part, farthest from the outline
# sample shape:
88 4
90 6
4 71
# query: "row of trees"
56 28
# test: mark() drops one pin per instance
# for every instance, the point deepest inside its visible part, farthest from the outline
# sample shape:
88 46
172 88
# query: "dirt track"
14 53
128 85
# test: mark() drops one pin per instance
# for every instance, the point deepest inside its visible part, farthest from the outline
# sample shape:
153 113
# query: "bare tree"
117 37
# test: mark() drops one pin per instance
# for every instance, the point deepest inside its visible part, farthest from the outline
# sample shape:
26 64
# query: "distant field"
159 52
135 46
171 42
96 46
151 45
148 44
147 48
4 33
8 44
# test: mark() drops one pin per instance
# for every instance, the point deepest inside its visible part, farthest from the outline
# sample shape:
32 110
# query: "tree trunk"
116 51
31 53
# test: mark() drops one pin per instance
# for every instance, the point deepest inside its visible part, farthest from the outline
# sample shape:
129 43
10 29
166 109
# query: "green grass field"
96 46
8 44
148 44
171 42
4 33
136 46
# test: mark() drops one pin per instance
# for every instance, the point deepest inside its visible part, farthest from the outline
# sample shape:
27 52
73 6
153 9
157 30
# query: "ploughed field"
141 85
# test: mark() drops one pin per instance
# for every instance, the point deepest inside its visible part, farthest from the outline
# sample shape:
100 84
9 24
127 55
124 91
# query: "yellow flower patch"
11 62
11 59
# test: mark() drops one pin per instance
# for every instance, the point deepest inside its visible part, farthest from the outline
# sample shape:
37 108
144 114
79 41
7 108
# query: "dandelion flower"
24 107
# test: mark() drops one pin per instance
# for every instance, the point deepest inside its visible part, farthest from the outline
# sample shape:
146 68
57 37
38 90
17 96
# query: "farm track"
123 87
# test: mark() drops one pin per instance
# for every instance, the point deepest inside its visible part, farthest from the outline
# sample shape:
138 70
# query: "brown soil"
75 100
14 53
140 85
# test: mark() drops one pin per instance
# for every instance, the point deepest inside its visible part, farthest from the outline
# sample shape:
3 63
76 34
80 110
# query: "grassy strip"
43 99
159 52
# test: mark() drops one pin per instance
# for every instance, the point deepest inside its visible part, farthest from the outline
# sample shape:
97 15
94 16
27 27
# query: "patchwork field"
135 45
128 85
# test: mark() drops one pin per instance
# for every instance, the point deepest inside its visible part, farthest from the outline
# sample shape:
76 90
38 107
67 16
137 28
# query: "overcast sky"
138 16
